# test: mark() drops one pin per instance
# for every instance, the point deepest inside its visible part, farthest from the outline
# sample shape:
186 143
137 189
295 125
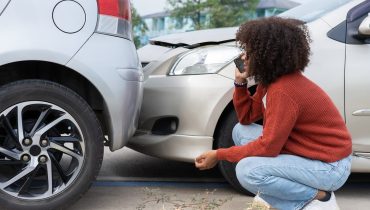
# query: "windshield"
312 10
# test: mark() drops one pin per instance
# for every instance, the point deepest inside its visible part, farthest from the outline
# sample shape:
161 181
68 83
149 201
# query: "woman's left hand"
206 160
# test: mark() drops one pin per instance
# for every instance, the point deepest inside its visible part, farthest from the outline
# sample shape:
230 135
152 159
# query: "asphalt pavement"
133 181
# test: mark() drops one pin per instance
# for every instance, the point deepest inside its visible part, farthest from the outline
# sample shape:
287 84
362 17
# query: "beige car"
187 107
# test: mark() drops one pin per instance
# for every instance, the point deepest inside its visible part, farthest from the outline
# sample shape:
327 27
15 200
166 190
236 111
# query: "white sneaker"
320 205
259 203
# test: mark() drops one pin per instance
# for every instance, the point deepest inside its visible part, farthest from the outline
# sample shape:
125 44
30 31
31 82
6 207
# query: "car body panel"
110 74
328 73
358 95
25 35
108 62
182 102
338 15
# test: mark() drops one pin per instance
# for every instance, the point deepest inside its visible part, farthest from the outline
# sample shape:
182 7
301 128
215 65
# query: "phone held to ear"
239 63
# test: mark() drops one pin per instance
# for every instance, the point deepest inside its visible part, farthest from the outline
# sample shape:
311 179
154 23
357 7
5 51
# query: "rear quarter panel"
27 32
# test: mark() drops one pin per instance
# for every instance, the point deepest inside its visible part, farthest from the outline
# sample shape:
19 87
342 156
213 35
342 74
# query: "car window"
313 9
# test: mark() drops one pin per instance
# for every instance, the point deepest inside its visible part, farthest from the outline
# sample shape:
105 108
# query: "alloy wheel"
42 150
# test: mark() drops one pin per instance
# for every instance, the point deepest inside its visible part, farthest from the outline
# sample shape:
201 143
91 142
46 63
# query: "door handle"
361 112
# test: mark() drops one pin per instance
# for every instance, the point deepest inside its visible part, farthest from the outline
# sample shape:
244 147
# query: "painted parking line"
160 184
192 184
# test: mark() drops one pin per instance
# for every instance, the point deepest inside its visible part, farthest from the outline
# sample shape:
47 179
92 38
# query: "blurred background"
160 17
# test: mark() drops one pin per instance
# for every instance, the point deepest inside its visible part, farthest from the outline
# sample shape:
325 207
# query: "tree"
226 13
220 13
182 10
138 25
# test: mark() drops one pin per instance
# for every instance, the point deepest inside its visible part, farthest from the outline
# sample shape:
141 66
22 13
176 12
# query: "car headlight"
206 60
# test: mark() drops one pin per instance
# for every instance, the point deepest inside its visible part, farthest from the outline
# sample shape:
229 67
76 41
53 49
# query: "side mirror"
364 28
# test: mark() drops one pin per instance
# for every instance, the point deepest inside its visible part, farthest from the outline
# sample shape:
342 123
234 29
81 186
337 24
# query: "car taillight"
115 18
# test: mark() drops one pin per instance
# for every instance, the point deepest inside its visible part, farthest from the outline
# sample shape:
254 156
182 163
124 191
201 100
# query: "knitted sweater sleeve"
281 115
248 108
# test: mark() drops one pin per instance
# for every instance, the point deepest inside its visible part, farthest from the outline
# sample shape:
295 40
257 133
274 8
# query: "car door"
357 77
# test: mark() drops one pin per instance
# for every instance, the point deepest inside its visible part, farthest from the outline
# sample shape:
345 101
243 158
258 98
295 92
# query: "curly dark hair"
275 47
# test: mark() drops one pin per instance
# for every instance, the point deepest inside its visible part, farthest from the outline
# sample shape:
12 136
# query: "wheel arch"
228 108
59 74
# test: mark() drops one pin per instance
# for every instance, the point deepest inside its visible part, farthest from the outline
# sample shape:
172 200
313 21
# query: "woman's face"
245 56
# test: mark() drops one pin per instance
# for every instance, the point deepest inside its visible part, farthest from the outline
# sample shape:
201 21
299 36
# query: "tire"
66 149
224 140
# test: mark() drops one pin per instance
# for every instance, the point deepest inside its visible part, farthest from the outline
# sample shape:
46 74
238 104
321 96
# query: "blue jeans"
286 181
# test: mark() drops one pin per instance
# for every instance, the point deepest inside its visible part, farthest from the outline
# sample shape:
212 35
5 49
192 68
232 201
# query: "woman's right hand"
240 77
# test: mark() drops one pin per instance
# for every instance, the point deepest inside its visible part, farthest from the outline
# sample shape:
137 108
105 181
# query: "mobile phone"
239 63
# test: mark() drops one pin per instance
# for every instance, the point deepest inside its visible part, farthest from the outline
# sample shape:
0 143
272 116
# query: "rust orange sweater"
299 119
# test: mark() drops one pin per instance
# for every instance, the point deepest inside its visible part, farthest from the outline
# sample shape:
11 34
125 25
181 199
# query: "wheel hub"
35 150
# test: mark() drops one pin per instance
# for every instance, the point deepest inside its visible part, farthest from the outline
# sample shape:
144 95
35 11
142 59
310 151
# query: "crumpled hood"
195 38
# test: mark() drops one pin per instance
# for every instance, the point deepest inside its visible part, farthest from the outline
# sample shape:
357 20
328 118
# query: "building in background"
162 23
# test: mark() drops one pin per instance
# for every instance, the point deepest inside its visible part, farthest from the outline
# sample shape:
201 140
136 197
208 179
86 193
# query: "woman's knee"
243 134
235 134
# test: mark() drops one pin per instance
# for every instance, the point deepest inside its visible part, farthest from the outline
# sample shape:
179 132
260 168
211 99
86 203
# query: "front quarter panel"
326 67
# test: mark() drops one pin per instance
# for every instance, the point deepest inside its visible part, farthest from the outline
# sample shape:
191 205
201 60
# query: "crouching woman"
302 153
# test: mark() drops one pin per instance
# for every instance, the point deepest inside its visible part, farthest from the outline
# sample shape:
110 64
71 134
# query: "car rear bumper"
112 66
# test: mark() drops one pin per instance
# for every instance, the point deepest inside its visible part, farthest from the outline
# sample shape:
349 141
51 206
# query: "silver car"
187 107
70 83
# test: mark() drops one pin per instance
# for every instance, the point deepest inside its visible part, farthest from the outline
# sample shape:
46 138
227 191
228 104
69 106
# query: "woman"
302 153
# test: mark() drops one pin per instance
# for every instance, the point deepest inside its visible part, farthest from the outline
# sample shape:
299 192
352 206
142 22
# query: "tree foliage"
218 13
224 13
183 10
138 25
